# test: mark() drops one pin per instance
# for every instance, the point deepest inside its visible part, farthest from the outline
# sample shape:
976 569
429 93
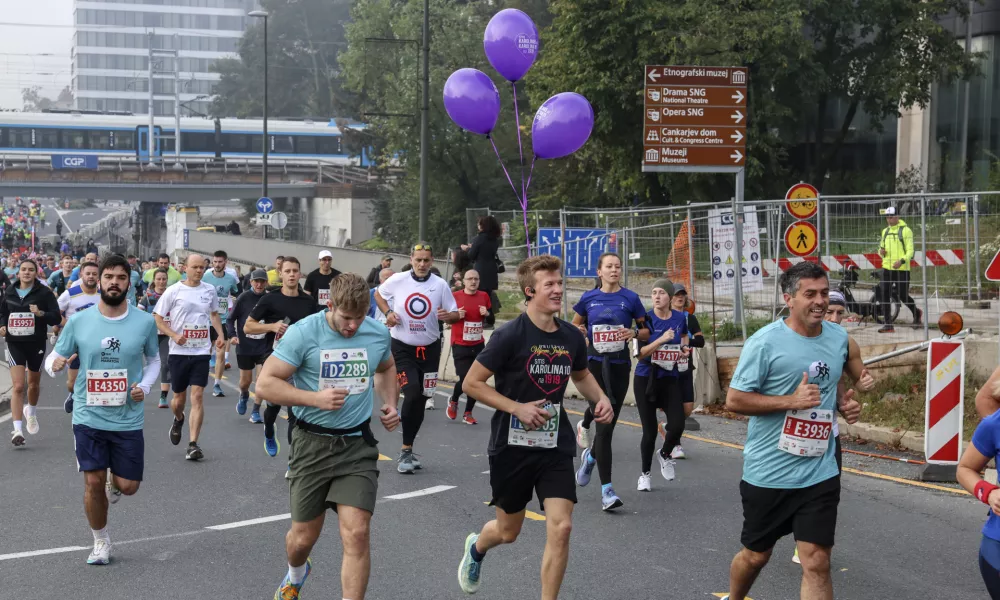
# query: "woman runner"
28 308
985 447
148 303
679 302
605 315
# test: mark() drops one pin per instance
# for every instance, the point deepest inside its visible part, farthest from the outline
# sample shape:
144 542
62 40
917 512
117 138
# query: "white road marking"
424 492
6 417
487 471
249 522
43 552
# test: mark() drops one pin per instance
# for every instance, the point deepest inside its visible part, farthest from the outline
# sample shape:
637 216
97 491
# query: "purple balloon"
472 100
562 125
511 43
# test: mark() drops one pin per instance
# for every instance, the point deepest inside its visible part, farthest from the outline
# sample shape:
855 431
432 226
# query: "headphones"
526 296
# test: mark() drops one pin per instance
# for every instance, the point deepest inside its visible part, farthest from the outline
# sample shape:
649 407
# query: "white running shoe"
101 554
31 424
114 494
582 435
678 453
666 466
429 405
17 438
645 483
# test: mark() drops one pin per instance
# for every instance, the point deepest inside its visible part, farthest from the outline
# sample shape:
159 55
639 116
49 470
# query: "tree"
35 102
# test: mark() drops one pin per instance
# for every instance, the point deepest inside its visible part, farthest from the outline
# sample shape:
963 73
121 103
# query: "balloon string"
524 186
504 167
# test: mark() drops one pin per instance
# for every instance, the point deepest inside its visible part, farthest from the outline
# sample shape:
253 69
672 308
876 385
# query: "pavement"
215 528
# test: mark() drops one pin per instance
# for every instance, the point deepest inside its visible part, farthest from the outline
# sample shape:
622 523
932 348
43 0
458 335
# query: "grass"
906 411
727 330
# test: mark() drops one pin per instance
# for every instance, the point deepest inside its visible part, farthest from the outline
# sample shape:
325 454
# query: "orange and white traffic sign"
801 238
944 411
993 271
803 200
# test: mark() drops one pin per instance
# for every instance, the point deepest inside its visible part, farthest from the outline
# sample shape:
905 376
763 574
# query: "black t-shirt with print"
274 307
530 364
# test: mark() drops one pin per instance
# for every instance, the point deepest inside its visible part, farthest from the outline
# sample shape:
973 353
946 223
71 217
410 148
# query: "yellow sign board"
801 238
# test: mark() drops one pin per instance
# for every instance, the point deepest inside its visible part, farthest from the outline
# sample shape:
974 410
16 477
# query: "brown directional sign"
695 118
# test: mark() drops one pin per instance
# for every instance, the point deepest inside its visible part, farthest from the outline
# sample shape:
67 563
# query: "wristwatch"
388 312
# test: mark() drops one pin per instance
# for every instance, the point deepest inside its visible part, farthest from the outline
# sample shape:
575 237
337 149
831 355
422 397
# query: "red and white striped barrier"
944 411
935 258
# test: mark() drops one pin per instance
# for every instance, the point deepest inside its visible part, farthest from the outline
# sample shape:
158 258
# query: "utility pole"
424 108
964 143
152 131
177 98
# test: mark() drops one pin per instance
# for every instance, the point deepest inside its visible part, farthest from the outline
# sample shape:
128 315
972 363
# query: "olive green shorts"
329 470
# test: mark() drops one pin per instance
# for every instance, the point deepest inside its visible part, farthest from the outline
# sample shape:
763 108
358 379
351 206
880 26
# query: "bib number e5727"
107 387
806 432
546 436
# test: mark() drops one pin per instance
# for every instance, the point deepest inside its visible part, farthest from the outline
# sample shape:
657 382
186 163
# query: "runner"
338 362
163 262
251 350
531 441
226 284
416 340
786 381
90 257
657 381
373 310
271 316
193 308
27 310
985 447
147 304
605 316
79 296
318 281
696 339
111 342
467 339
274 275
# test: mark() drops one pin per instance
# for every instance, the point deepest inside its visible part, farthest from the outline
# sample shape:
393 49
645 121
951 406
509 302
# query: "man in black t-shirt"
271 316
318 281
251 350
532 444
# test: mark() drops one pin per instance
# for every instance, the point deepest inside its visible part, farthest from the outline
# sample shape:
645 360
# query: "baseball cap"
325 254
258 274
679 288
891 211
386 257
837 299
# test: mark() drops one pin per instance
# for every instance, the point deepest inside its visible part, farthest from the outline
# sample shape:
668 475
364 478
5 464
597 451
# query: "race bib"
197 336
806 432
544 437
322 296
430 384
668 357
224 305
107 388
21 324
344 369
472 332
606 338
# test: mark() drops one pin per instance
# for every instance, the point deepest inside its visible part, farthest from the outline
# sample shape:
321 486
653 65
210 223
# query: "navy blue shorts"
187 371
122 451
75 364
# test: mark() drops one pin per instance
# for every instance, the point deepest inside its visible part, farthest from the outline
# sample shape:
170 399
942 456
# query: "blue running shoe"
241 404
289 590
272 446
211 361
217 391
256 418
586 468
469 571
68 403
610 500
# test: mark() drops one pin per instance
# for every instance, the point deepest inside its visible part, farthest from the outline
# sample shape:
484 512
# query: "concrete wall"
338 221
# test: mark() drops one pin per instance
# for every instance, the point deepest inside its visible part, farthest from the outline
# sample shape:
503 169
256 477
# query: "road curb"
890 436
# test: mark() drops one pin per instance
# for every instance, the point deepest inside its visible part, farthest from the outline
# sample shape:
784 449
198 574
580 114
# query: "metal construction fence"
954 238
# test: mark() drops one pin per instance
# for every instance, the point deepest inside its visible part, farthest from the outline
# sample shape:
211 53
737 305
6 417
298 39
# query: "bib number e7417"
607 338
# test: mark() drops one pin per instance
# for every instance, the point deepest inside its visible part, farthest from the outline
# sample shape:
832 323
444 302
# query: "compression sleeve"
150 373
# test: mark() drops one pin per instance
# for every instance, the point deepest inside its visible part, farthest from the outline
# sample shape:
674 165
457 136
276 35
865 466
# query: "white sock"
18 425
29 410
216 380
101 534
297 574
227 356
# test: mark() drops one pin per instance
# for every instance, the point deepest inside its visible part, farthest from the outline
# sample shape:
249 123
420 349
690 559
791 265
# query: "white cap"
325 254
891 211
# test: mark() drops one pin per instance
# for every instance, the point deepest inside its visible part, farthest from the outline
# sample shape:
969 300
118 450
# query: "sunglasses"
419 247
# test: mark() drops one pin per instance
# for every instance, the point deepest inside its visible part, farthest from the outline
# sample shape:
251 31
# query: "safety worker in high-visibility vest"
895 246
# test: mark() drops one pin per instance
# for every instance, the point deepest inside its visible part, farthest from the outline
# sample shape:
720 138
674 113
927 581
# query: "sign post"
695 121
264 207
993 274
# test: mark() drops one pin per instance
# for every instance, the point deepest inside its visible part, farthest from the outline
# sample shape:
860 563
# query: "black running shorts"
769 514
516 473
247 362
29 353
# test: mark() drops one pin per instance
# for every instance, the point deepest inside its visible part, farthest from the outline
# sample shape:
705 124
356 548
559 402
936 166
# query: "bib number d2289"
345 369
806 432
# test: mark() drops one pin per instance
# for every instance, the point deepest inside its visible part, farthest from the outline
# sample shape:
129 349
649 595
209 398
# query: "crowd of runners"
338 351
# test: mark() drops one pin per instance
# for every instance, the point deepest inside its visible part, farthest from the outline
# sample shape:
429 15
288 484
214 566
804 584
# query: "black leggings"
651 394
412 363
271 417
991 577
902 281
618 374
464 357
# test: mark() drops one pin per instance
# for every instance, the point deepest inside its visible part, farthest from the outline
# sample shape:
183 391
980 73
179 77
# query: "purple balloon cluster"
562 124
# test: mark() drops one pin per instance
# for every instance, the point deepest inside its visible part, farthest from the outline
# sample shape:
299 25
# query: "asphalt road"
895 540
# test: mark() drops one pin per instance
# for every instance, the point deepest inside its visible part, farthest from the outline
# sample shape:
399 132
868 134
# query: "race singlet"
544 437
430 384
197 335
107 387
323 296
806 432
472 332
344 369
22 323
607 338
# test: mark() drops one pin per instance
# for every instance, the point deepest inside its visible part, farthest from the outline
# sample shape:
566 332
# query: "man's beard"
113 300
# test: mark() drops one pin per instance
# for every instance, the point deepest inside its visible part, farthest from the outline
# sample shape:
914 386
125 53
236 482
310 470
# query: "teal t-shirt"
134 281
21 292
224 287
319 353
10 271
105 345
772 363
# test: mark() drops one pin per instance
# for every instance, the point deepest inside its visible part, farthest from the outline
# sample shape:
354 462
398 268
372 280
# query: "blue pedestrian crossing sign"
264 205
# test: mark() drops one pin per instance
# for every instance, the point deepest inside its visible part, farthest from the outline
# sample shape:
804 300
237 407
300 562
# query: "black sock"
256 407
476 556
191 444
163 395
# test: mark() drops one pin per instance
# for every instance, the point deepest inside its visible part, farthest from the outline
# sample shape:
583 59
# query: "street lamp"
263 14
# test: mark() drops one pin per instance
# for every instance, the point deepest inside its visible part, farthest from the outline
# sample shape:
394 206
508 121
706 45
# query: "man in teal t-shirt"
786 382
112 342
226 285
337 360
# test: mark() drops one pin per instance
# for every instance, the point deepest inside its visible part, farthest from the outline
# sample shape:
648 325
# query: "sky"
35 42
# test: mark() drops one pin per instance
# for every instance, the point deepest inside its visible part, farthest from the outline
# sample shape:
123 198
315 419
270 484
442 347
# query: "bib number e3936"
806 432
107 387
